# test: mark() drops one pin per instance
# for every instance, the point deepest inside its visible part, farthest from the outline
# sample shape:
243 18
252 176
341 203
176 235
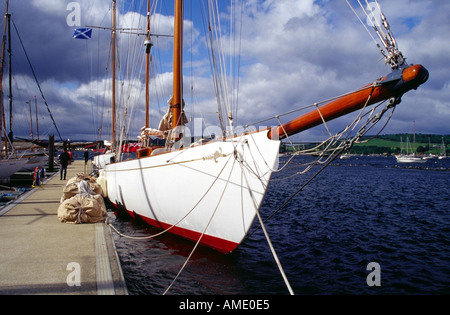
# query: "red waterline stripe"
219 244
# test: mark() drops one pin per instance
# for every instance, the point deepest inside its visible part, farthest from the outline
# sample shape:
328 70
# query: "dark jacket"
64 158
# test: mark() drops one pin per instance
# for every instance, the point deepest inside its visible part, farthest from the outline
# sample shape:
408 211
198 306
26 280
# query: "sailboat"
9 163
211 191
411 157
36 155
444 150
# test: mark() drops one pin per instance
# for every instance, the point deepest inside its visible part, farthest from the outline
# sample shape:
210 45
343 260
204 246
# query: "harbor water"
358 211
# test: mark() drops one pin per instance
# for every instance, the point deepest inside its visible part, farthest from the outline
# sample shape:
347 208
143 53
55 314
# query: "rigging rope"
37 81
227 181
185 216
330 149
340 148
206 227
269 242
380 25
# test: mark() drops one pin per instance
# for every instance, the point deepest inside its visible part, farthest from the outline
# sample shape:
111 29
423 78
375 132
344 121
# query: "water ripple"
361 210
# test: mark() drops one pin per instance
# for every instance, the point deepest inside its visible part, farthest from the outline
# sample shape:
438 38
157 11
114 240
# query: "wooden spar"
113 57
410 78
177 100
147 70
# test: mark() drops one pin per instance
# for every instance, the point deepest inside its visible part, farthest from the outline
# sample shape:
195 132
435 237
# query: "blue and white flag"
82 33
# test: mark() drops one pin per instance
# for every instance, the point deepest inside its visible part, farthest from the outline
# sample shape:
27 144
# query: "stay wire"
37 81
298 190
341 148
266 234
204 230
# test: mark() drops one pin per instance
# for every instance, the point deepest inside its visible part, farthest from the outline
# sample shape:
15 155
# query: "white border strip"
105 283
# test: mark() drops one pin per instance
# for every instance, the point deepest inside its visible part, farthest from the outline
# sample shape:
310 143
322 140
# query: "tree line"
389 144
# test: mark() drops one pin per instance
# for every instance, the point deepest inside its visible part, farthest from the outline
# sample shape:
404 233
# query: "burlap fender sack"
82 209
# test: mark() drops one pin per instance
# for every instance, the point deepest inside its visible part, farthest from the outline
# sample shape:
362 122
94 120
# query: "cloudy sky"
291 53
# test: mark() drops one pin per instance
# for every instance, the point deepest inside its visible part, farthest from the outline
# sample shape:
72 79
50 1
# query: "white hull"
10 166
33 162
100 161
410 159
210 191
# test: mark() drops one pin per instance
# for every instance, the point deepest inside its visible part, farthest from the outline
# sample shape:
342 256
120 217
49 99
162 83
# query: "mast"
31 121
444 148
113 57
148 46
10 134
37 118
177 102
2 109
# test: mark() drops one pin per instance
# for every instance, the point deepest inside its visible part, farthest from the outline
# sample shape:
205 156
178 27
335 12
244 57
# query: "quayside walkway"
41 255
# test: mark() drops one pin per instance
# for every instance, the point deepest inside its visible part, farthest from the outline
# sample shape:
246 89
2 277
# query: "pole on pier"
51 153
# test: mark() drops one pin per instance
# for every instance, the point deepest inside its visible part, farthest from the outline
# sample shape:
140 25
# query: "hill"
394 143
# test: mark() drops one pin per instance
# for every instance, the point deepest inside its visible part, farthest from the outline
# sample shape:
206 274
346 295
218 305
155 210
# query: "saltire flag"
82 33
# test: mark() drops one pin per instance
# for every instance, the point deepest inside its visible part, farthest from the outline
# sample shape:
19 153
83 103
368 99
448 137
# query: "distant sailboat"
444 150
29 152
211 191
36 155
9 163
409 158
412 157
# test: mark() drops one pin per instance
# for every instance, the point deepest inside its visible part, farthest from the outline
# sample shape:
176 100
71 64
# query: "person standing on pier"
86 159
64 159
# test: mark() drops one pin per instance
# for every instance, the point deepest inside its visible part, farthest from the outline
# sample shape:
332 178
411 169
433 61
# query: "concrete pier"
41 255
